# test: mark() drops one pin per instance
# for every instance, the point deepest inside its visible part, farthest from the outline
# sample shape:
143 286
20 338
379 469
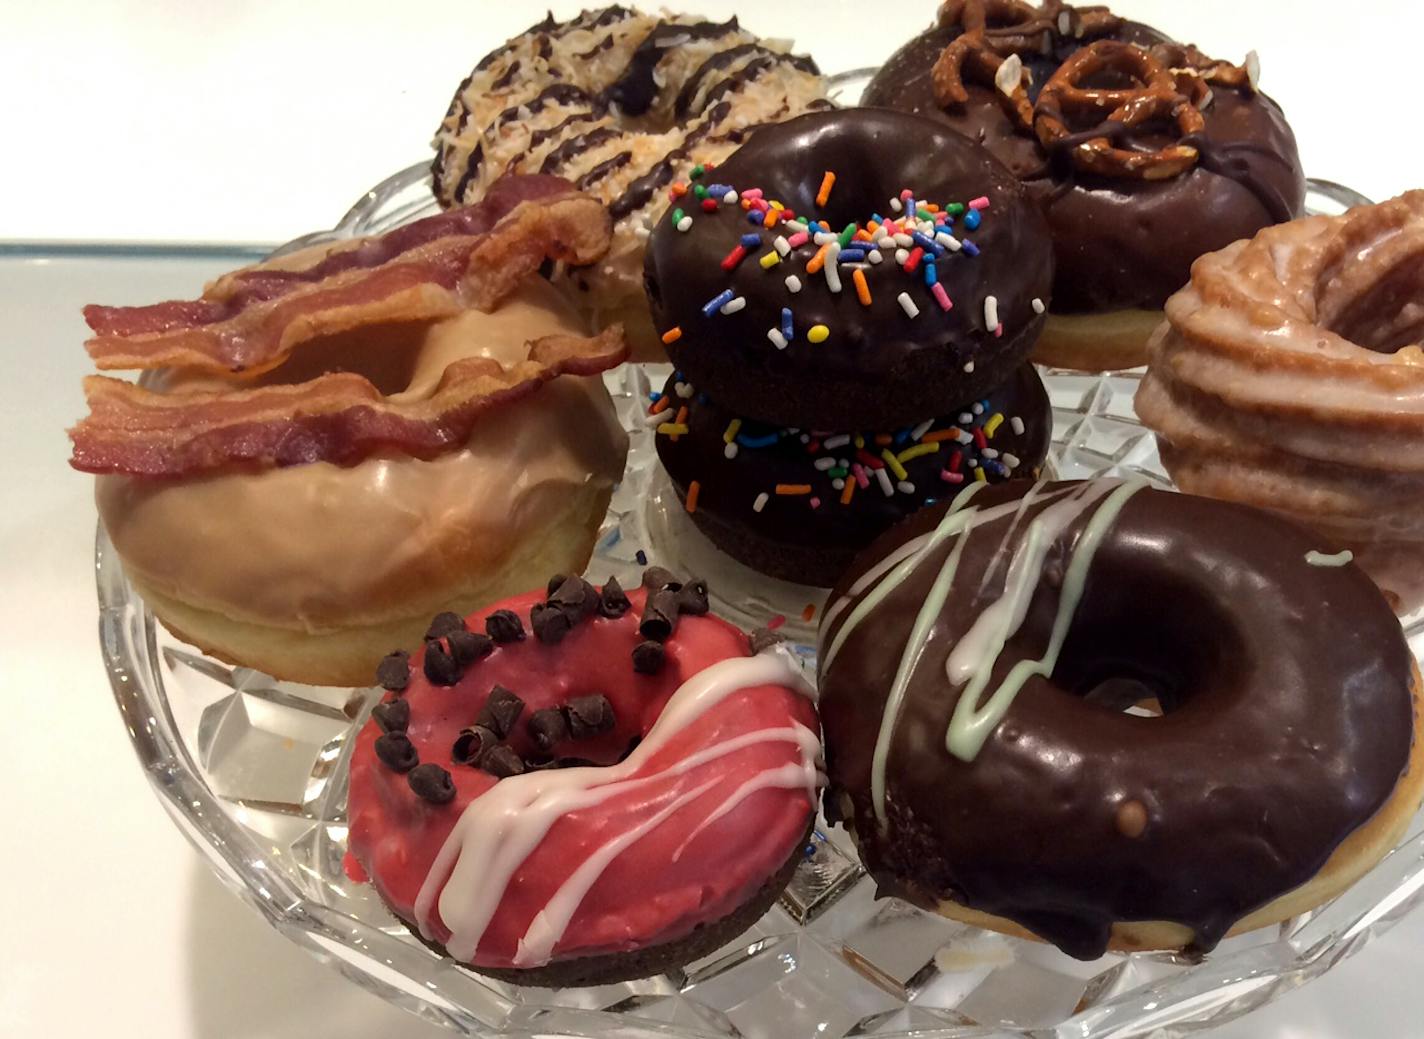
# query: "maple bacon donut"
582 785
977 665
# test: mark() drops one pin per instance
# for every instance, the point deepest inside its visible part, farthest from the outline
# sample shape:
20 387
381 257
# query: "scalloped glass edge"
394 966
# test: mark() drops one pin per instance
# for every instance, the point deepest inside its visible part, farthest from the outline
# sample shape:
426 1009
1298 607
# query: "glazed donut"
582 786
976 666
1143 153
909 318
1289 375
301 522
623 104
800 506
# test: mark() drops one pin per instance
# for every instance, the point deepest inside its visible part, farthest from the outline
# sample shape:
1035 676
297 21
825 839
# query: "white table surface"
253 122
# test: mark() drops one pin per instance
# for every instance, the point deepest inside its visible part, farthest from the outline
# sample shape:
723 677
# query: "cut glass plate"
254 770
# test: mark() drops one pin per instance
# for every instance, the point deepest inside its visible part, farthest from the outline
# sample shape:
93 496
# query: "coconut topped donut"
855 269
580 785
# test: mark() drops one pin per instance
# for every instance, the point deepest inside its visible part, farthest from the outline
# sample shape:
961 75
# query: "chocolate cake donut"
975 667
580 785
1143 153
800 505
878 269
621 103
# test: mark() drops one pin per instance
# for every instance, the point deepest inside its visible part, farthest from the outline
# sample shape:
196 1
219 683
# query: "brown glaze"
878 368
1121 243
1288 722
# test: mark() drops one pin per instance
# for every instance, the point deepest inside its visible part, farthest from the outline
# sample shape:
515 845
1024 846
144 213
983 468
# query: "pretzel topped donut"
1153 96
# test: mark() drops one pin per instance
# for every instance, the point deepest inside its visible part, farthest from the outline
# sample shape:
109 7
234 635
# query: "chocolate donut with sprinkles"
799 505
580 785
855 269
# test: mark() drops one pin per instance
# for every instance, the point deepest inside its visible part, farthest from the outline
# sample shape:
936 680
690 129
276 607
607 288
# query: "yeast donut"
581 786
922 284
1143 153
800 506
622 104
975 668
302 520
1289 375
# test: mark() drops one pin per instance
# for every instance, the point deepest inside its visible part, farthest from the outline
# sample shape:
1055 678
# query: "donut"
799 506
1288 376
1182 156
301 522
623 104
910 317
977 665
582 785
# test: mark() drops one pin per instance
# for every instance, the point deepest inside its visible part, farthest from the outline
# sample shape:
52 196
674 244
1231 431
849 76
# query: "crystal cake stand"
253 771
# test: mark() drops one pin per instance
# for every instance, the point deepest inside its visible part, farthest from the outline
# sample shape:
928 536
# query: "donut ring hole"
386 355
1385 315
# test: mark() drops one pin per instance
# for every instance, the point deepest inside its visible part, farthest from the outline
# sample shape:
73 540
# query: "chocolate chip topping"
393 672
504 626
589 715
473 744
396 751
659 615
393 716
692 597
468 646
501 761
576 596
763 638
548 727
550 623
440 666
656 578
554 584
648 657
500 712
443 624
613 601
432 783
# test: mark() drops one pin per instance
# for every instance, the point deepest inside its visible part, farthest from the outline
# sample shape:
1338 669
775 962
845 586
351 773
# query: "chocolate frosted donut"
799 505
975 667
1125 239
860 329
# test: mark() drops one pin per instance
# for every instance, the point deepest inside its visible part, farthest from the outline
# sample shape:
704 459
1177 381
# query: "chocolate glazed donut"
1283 763
1120 243
878 368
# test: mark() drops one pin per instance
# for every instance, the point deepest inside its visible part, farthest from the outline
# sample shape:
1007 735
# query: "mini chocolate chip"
762 639
648 657
656 578
468 646
659 615
440 666
501 761
692 597
550 623
396 751
472 745
589 715
553 585
504 626
432 783
501 711
393 672
576 597
613 601
393 716
443 624
547 727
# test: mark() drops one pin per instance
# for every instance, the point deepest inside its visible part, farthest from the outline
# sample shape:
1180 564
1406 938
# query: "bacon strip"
340 417
249 321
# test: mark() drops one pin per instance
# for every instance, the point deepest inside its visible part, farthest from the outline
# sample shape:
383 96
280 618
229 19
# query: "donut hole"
386 355
1386 316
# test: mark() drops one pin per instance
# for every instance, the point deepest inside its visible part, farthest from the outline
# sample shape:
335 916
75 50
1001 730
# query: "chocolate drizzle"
575 146
633 91
1285 727
603 169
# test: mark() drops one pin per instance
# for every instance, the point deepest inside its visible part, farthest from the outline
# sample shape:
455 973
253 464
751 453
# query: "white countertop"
256 122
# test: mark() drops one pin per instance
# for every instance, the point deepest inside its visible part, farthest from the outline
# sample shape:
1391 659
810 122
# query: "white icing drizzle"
498 831
1314 558
971 725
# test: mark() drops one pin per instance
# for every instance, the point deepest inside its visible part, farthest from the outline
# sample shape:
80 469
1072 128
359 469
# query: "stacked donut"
850 301
621 103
